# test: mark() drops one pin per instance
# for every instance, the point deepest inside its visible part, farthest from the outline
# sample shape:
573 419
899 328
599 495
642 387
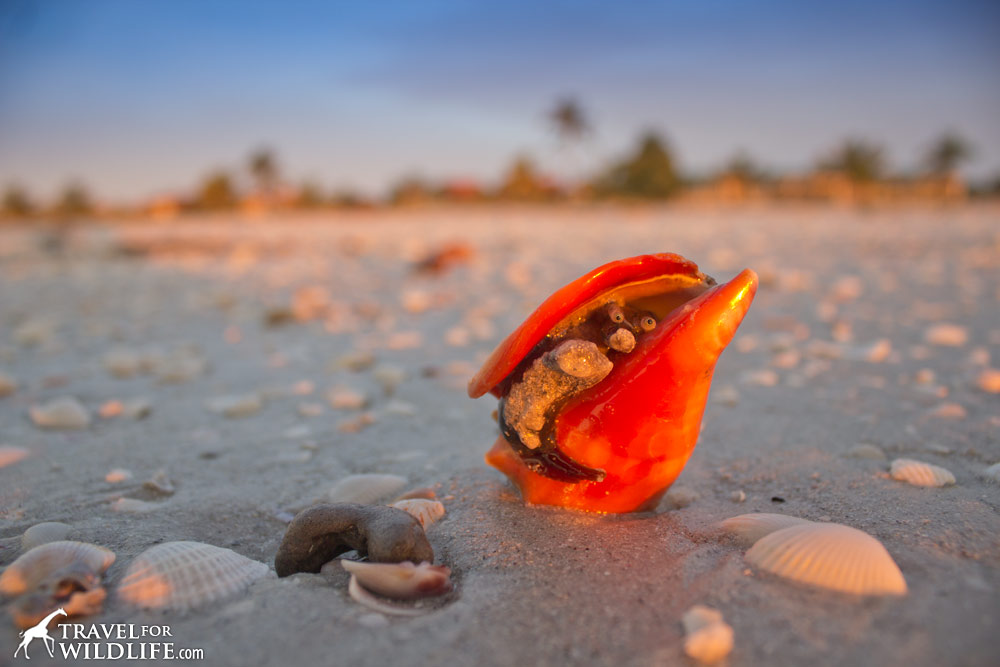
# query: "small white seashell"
343 398
43 533
762 378
948 411
401 581
185 575
61 413
123 363
738 496
364 489
708 638
919 473
136 408
992 473
748 528
988 381
8 385
864 450
361 595
10 455
680 497
132 506
830 556
423 510
160 483
34 566
951 335
117 475
389 377
236 406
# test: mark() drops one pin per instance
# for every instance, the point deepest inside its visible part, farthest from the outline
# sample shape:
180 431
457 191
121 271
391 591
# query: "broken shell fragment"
322 532
424 510
830 556
401 581
708 638
39 564
919 473
10 455
748 528
186 575
64 413
603 387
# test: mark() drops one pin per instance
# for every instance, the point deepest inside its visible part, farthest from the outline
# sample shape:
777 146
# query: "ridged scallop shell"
748 528
364 489
184 575
423 510
830 556
35 566
919 473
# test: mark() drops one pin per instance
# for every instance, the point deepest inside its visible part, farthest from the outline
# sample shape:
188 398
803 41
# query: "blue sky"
140 97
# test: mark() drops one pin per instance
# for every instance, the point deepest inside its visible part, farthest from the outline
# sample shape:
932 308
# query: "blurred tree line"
649 171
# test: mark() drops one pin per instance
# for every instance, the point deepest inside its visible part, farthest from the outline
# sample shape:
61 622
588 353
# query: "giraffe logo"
40 631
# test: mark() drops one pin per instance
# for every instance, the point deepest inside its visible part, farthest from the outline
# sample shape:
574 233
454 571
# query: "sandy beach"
278 356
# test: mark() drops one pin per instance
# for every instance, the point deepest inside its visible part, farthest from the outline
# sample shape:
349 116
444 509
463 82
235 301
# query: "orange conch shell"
581 432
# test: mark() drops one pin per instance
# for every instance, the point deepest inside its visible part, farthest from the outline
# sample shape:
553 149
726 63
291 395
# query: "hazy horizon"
138 99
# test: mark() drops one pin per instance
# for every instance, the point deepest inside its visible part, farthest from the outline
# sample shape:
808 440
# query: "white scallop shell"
992 473
919 473
60 413
422 509
43 533
364 489
185 575
830 556
34 566
748 528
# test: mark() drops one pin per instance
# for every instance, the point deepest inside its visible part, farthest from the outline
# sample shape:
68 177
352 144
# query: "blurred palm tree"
74 202
947 153
264 168
217 192
859 160
650 173
569 120
522 181
17 203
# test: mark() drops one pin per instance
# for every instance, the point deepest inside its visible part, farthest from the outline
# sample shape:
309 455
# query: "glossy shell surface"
638 424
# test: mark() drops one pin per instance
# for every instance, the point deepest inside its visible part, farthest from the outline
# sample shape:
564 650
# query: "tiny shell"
829 556
33 567
132 506
424 510
10 455
401 581
864 450
708 638
236 406
748 528
117 475
185 575
950 335
8 385
61 413
988 381
344 398
43 533
364 489
992 473
919 473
